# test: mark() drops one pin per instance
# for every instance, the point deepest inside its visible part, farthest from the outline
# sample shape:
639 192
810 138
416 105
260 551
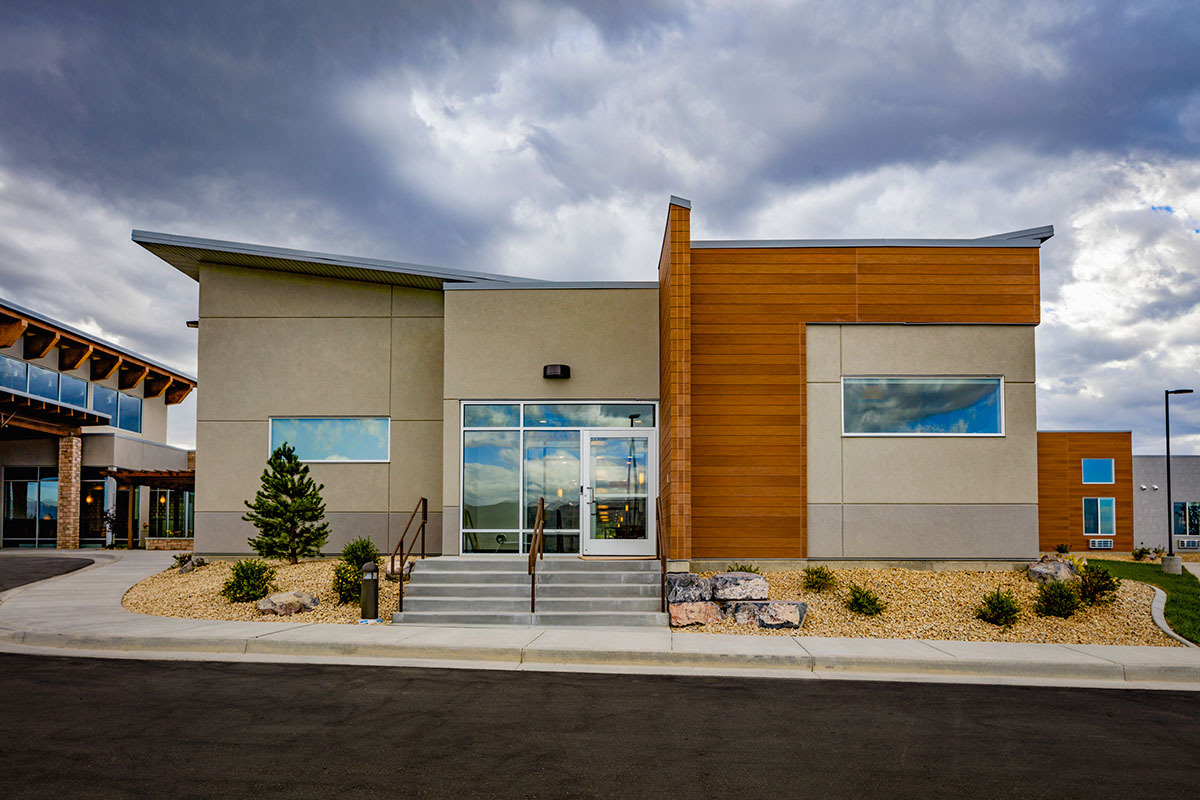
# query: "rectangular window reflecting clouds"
72 391
491 416
129 413
13 374
1099 516
1097 470
492 485
333 438
43 382
596 415
922 407
104 401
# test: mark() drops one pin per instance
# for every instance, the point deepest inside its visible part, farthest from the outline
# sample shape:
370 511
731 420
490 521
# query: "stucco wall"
913 497
1150 506
497 342
277 344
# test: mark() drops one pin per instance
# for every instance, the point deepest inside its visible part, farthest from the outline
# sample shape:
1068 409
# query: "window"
104 401
1097 470
129 413
589 415
171 512
1099 516
1187 519
72 391
345 439
14 374
30 506
43 382
492 416
922 407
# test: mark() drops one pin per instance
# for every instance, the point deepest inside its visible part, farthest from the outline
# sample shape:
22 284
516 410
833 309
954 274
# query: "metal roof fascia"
91 338
798 243
464 287
352 262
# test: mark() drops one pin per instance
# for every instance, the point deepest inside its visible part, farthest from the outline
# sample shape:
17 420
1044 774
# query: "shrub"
1139 553
864 601
1062 549
999 608
347 582
735 567
359 551
251 580
181 559
1158 552
818 579
1097 586
1056 599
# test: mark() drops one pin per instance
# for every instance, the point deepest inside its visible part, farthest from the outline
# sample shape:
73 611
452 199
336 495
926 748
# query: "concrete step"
484 605
556 577
469 589
521 564
606 618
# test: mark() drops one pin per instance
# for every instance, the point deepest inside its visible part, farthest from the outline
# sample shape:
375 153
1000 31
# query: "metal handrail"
662 549
536 547
423 507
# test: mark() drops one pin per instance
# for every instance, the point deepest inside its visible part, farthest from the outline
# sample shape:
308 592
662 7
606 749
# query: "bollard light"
369 597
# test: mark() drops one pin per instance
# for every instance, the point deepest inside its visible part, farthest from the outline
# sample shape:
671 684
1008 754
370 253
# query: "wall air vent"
1100 544
1188 544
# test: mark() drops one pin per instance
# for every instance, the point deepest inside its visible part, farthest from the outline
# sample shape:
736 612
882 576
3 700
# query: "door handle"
589 494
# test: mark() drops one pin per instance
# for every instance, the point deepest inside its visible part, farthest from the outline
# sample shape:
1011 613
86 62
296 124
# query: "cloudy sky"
543 139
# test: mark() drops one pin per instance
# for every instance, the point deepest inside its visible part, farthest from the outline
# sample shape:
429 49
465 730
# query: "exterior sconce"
556 372
1154 487
1142 487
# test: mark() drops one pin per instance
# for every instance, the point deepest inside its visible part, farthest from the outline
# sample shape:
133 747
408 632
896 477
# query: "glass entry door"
618 509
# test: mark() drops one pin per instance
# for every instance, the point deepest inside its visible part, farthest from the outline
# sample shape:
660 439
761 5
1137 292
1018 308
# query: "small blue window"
104 401
129 413
72 391
333 439
1097 470
13 374
43 382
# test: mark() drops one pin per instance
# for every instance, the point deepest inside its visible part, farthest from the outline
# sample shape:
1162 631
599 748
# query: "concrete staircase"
465 590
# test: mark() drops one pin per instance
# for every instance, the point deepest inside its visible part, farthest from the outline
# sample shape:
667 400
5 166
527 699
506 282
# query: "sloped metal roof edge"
1030 237
148 239
494 287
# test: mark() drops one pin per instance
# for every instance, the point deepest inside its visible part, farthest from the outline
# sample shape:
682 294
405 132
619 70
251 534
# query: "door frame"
617 547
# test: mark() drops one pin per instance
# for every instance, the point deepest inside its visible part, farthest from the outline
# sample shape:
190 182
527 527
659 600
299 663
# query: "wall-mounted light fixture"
556 372
1142 487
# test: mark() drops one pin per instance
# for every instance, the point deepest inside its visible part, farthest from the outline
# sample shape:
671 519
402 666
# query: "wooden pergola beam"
71 354
177 392
156 384
104 364
131 375
39 342
11 329
18 421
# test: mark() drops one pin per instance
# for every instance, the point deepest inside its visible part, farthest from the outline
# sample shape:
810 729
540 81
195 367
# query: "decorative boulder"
684 614
1052 568
739 586
687 587
287 603
186 567
767 613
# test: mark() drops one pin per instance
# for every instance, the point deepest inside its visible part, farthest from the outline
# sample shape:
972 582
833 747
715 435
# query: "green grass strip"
1183 593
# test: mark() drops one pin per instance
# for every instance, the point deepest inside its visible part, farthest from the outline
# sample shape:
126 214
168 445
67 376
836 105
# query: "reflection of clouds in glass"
333 439
606 415
897 405
491 416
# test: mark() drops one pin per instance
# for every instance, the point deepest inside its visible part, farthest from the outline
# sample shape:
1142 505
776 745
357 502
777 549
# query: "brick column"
70 453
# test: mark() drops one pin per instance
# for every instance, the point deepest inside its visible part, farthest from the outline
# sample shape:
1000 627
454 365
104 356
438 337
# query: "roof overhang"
30 413
187 253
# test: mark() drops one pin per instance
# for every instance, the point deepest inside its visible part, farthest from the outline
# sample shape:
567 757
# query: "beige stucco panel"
824 534
916 469
416 468
230 457
940 531
823 353
416 372
240 292
254 368
410 302
824 443
451 452
498 341
1006 350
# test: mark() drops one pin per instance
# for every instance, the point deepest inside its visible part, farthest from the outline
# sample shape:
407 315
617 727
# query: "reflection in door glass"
552 472
619 479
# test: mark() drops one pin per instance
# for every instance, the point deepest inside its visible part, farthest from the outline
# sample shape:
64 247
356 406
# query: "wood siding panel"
1061 488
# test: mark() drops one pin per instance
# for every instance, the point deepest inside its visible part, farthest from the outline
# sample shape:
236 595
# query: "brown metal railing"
662 550
423 507
536 547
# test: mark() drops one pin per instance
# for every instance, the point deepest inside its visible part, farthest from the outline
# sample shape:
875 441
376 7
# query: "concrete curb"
1158 609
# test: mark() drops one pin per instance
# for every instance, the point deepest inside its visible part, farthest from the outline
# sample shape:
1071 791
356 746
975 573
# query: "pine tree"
288 509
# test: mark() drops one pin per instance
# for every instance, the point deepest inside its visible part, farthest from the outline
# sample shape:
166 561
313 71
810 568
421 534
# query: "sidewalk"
81 613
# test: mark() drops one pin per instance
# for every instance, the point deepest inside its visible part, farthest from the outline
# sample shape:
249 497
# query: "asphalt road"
19 570
107 728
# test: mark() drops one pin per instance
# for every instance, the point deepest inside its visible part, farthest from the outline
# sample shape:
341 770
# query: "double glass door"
618 512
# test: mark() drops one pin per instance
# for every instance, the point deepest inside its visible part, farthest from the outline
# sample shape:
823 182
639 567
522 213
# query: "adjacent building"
1150 504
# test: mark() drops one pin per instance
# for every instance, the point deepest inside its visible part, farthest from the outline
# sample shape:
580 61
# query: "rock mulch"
941 605
196 594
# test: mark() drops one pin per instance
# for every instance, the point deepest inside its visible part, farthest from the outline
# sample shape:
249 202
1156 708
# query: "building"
1085 490
1150 501
83 427
843 399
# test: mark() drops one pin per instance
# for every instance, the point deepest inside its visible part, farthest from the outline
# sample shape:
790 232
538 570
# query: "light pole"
1172 566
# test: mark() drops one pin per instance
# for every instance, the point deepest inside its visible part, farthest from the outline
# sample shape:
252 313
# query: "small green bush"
735 567
864 601
251 580
1140 553
347 582
1097 586
359 551
999 608
1056 599
818 579
1158 552
1062 548
181 559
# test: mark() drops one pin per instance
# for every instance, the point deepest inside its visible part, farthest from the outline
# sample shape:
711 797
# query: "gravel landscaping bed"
941 605
196 594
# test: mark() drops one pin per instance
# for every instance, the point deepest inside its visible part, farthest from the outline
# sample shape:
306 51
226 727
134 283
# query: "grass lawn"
1183 592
